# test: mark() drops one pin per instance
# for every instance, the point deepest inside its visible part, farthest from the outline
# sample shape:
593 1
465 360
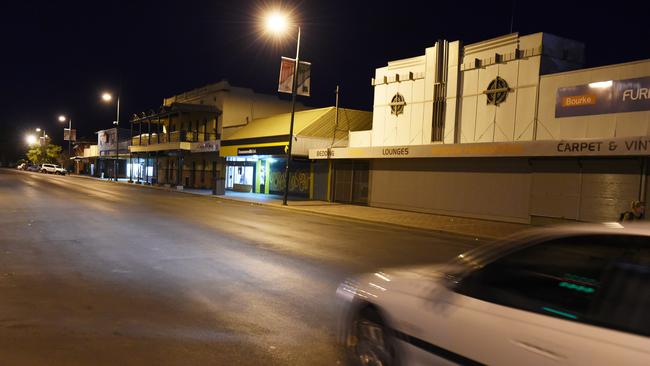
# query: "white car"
575 295
52 168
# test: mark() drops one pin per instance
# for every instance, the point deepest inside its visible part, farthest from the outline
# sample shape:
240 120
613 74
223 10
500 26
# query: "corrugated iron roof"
318 122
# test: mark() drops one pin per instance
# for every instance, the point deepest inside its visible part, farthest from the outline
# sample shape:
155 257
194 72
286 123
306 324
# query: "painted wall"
413 78
513 119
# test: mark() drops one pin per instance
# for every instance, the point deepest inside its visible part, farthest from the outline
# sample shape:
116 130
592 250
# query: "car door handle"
538 350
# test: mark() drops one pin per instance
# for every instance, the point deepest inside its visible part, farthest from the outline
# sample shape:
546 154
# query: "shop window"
243 175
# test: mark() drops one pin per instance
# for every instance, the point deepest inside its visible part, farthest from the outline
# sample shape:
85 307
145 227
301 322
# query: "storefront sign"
632 146
205 146
611 96
264 150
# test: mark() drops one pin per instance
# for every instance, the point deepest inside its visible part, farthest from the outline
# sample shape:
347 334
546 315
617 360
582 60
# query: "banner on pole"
286 77
69 134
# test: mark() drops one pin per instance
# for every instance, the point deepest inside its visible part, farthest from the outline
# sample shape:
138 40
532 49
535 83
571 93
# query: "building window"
397 104
497 91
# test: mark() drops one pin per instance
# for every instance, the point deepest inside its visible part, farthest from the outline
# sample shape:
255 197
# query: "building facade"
112 153
256 155
178 144
509 129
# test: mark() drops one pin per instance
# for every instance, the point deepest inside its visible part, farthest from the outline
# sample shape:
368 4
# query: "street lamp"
43 135
63 118
30 139
108 97
278 24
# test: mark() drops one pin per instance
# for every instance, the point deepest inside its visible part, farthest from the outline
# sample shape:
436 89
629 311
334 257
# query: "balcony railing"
176 136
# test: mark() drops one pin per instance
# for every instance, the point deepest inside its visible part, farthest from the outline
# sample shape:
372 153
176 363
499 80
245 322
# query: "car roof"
488 253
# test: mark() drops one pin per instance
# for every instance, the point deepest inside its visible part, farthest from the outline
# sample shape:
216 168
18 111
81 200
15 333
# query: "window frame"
589 318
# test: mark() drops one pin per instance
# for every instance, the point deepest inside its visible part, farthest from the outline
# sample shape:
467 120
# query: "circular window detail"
497 91
397 104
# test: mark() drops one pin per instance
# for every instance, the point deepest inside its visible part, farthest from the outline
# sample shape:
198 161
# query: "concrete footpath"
476 228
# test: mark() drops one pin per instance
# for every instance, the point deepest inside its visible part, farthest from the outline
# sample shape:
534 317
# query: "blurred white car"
53 169
565 296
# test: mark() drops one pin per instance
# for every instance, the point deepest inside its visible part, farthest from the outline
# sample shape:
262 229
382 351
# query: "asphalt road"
98 273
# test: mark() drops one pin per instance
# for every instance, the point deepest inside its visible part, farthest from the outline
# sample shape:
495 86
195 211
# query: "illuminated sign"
603 97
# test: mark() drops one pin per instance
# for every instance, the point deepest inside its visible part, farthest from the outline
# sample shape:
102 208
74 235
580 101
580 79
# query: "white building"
506 129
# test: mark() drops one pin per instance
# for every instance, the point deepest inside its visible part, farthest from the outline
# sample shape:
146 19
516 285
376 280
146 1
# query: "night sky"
57 57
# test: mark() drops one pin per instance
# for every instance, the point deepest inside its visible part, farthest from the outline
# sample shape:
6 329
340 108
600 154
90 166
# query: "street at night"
285 182
98 273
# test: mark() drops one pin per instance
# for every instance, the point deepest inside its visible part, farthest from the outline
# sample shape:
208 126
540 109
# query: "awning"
625 146
314 128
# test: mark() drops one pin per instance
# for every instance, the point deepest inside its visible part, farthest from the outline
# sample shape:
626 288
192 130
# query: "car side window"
560 278
624 299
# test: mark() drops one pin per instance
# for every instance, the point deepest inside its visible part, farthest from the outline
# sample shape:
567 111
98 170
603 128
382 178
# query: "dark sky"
57 57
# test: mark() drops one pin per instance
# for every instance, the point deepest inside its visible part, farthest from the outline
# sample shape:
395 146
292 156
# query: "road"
99 273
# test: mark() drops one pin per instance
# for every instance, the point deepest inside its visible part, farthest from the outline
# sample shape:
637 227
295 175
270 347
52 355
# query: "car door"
536 306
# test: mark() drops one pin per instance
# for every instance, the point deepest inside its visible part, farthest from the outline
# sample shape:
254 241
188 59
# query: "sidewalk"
476 228
483 229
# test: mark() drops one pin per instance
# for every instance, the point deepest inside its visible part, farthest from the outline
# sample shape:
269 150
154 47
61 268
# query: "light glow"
30 139
276 22
107 97
38 130
601 84
62 118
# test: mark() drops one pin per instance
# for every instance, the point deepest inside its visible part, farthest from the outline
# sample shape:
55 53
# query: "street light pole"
69 138
293 112
63 118
117 138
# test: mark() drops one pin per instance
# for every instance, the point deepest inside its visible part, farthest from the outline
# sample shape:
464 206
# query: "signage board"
604 97
69 134
205 146
285 83
106 140
625 146
263 150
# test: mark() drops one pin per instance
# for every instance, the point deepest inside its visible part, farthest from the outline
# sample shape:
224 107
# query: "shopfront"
256 155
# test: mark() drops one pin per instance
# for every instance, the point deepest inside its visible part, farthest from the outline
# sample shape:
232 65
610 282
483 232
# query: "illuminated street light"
63 118
30 139
42 133
107 97
278 24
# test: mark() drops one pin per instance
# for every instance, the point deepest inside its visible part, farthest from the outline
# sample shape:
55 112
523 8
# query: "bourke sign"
612 96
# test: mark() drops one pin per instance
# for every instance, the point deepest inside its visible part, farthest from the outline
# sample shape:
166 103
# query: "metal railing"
176 136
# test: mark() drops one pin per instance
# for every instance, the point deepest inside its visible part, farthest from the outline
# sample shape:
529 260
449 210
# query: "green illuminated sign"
573 286
558 312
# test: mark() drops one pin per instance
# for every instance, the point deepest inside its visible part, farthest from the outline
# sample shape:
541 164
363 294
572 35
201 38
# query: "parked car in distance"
575 295
52 169
22 166
33 168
